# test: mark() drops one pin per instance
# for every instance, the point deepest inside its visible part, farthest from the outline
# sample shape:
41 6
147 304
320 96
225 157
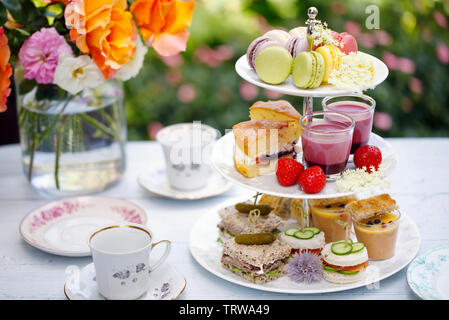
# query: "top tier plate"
246 72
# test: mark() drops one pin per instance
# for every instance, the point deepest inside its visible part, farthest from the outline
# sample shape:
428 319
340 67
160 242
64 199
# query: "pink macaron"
256 46
347 42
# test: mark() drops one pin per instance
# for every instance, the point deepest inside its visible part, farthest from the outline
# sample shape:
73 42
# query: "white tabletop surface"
420 185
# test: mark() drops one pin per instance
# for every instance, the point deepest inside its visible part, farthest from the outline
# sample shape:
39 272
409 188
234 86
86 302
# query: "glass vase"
71 144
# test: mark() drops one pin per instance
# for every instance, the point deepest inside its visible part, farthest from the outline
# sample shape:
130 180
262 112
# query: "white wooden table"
420 185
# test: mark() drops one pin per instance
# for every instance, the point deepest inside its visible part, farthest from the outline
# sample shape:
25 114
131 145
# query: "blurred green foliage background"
201 84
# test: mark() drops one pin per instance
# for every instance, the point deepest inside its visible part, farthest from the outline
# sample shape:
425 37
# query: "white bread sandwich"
344 262
234 222
370 207
310 240
257 263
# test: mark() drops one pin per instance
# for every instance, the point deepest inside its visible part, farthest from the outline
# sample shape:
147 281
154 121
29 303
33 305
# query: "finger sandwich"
256 263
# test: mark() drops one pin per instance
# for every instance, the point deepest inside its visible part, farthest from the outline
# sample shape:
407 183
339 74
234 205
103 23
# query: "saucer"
63 227
166 283
428 274
156 181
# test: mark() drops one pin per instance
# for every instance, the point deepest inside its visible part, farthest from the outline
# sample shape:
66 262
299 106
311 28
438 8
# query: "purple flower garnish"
305 267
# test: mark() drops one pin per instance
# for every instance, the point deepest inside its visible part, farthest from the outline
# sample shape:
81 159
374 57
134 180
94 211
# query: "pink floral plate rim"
42 217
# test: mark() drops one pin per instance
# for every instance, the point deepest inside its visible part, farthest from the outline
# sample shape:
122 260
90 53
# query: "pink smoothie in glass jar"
327 143
358 107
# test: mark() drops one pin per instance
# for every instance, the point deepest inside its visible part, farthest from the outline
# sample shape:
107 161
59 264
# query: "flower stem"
59 138
33 147
94 122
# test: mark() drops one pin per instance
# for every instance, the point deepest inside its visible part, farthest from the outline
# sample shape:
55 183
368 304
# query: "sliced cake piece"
279 110
260 143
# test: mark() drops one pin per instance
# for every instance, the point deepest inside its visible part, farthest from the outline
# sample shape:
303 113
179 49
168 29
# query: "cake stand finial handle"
312 12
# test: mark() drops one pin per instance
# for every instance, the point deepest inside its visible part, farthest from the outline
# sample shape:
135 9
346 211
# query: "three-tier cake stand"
204 233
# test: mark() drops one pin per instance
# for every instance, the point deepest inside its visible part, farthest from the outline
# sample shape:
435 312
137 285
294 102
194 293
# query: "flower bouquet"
70 58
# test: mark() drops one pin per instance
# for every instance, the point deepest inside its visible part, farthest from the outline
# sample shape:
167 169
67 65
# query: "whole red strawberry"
288 171
312 180
368 156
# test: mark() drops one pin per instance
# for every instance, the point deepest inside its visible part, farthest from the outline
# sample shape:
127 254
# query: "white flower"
75 74
132 68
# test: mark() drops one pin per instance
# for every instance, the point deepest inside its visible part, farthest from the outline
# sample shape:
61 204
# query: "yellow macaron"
332 59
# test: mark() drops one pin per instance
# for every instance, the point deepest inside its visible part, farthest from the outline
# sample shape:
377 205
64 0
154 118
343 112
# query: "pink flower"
153 128
186 93
443 53
353 28
406 65
367 40
383 37
415 85
440 19
382 121
40 52
248 91
390 60
272 94
173 61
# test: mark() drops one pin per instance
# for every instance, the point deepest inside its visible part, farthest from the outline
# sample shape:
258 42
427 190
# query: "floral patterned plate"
63 227
166 283
428 274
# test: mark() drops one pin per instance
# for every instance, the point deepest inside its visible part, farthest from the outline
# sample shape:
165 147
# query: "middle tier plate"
222 160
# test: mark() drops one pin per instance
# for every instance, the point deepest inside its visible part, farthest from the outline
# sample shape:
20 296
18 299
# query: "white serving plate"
428 274
222 160
207 252
63 227
287 87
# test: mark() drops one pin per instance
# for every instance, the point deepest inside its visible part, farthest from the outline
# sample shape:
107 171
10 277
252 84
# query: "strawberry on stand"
368 157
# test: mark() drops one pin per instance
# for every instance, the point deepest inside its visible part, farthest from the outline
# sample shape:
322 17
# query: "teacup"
187 149
121 255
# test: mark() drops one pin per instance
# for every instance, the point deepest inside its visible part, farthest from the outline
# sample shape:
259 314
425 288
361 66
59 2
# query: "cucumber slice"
348 273
330 269
307 234
290 232
315 230
341 248
357 246
349 241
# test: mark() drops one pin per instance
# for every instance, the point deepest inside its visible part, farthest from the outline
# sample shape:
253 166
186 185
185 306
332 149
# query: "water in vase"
73 147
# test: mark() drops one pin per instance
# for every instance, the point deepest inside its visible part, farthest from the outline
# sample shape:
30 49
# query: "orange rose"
163 23
5 70
104 29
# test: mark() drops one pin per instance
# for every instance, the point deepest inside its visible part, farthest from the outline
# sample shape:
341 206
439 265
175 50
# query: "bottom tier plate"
207 252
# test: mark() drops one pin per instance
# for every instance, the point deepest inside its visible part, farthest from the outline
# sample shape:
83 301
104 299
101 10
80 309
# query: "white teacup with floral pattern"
121 255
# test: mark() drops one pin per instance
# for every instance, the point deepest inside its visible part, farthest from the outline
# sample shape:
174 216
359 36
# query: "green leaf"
39 3
3 15
52 12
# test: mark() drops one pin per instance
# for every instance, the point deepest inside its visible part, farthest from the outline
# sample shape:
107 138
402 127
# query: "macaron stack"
278 53
332 59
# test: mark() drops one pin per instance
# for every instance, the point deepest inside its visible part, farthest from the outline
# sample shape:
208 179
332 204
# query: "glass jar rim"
396 212
370 108
317 113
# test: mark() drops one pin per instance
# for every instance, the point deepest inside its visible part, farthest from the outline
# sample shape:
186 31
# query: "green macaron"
308 70
273 64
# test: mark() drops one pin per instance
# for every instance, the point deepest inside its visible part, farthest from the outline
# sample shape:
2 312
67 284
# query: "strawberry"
288 171
368 156
312 180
